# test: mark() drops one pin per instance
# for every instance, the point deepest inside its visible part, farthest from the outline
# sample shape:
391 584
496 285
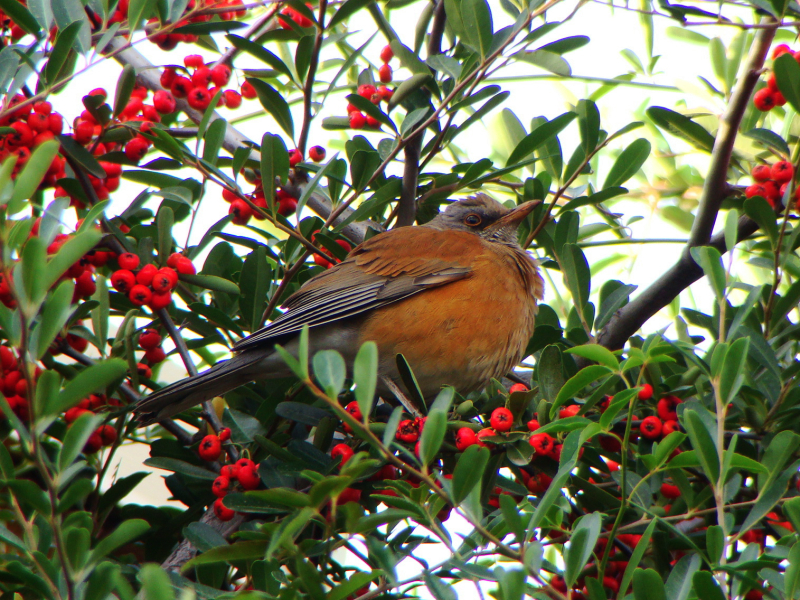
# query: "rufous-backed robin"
457 297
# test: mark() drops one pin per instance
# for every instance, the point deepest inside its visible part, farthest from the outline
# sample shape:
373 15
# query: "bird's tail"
183 394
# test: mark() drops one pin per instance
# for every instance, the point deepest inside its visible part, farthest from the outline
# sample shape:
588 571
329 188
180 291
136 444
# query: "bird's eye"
472 220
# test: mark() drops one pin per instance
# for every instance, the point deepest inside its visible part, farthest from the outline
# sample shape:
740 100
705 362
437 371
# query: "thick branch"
407 206
631 317
680 276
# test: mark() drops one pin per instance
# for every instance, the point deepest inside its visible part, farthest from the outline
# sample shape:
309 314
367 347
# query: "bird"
456 296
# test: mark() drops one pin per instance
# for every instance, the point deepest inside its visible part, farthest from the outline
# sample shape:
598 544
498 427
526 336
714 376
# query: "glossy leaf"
628 163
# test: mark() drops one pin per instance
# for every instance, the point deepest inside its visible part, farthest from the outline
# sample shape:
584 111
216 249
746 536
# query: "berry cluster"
358 120
168 41
105 435
771 182
242 211
291 15
769 97
32 125
199 85
322 262
149 285
243 474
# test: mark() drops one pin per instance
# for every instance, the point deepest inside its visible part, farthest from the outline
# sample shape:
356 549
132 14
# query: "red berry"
778 50
779 98
108 434
646 392
569 411
199 98
170 274
155 355
233 99
316 153
295 158
229 471
518 387
73 413
42 107
670 491
465 438
222 512
244 462
501 419
669 427
366 90
385 74
220 75
146 274
533 425
173 259
123 280
357 120
161 283
761 172
185 266
387 53
651 427
210 448
164 102
287 206
764 99
201 77
354 410
85 285
167 77
140 295
136 149
372 122
221 486
193 61
161 300
385 93
241 212
542 443
94 443
128 261
181 86
248 91
538 484
782 171
249 477
225 434
342 451
667 408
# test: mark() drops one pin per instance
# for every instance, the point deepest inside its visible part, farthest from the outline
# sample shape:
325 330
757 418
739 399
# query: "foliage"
661 464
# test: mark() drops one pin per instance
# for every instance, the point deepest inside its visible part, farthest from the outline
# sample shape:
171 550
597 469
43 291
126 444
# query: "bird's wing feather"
383 270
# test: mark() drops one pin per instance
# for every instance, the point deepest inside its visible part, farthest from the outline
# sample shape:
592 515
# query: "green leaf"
350 7
125 84
32 174
478 29
83 157
255 282
747 306
588 124
733 369
274 103
575 384
365 376
138 10
706 586
91 379
770 139
20 15
179 466
762 213
577 275
611 303
156 584
61 49
682 126
628 163
274 163
596 353
792 575
679 582
432 435
703 444
56 312
549 61
30 270
787 76
581 545
731 229
126 532
409 59
330 370
632 568
70 253
211 282
214 138
408 87
540 136
648 585
710 260
261 53
468 472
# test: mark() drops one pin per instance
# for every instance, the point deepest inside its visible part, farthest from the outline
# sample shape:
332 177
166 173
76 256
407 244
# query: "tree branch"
407 205
686 271
149 76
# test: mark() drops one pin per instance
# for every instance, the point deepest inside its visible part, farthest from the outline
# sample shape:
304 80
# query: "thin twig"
308 88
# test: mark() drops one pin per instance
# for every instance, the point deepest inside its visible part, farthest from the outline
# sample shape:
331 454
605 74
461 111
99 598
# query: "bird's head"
484 216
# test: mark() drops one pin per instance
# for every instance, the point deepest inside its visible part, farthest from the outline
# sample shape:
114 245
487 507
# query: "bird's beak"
516 216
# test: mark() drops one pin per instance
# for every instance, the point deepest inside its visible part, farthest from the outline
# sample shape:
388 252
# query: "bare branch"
631 317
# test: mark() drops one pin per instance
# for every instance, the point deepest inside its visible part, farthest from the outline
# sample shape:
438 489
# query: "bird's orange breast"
465 332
